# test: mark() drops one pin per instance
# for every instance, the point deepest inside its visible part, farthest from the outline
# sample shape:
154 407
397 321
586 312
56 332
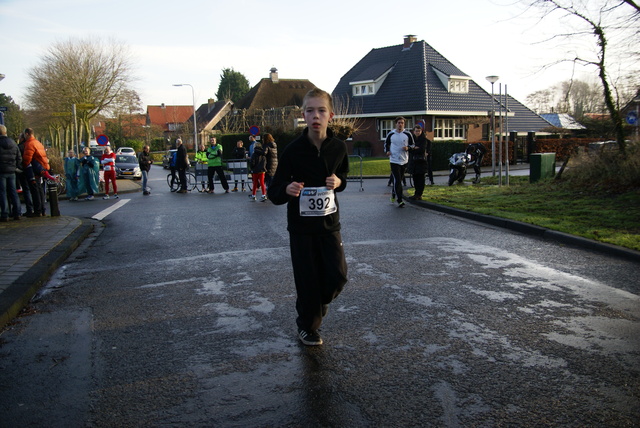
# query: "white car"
125 151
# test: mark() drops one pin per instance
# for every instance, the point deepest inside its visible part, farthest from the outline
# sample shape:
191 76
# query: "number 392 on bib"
317 202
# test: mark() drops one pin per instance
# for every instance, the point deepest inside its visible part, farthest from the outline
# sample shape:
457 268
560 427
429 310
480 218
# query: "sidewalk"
31 249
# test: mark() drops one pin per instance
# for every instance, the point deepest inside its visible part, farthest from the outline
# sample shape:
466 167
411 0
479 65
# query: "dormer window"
459 86
454 84
361 89
366 84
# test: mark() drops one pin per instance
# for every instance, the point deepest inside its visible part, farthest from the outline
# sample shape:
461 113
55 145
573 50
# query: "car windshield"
126 159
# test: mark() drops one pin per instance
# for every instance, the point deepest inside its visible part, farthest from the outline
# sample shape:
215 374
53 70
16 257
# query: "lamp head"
492 79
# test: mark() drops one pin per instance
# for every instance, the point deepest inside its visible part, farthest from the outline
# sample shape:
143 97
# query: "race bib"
107 167
317 202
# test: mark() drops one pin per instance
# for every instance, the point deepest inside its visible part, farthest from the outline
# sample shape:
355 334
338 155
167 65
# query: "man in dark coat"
10 161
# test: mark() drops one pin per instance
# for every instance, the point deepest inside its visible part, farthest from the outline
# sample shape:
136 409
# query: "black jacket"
258 161
302 161
271 152
10 157
143 161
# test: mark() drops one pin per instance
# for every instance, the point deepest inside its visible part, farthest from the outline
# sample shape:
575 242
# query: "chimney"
409 39
273 74
210 104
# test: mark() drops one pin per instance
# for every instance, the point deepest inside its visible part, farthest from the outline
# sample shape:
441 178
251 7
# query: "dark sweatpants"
397 173
320 273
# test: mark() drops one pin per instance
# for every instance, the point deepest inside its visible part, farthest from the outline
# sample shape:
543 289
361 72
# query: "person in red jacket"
108 161
35 154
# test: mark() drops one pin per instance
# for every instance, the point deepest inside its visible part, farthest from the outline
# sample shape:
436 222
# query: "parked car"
166 159
127 167
125 151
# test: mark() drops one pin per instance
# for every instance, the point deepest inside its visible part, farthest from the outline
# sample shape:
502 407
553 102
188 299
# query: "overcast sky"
191 41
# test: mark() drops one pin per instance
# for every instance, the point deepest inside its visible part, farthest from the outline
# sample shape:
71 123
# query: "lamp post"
492 80
1 112
195 126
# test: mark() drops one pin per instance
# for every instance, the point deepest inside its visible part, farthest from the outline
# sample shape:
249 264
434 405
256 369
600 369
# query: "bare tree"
88 73
603 20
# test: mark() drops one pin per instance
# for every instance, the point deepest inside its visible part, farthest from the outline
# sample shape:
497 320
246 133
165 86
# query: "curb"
530 229
20 292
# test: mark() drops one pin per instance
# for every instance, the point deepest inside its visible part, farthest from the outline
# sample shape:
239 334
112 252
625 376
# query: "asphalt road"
179 311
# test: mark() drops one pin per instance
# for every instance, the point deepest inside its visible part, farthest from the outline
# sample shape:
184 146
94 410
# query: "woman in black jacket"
271 153
420 166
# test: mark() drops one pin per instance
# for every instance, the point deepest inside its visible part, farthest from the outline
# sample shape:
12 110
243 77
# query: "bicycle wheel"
174 184
191 181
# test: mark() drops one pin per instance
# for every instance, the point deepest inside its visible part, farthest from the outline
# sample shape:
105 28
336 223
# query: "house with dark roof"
273 103
415 81
273 92
562 121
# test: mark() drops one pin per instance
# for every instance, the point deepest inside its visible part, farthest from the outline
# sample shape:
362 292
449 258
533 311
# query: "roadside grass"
605 217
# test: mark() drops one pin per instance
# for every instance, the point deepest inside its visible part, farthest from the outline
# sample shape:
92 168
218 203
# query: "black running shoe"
309 338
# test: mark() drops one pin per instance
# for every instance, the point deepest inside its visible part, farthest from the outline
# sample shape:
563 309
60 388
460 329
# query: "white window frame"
387 125
449 129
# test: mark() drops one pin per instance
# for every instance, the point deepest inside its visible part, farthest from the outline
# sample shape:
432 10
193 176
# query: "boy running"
311 170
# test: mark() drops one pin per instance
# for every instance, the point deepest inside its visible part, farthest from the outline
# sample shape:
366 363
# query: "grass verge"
605 217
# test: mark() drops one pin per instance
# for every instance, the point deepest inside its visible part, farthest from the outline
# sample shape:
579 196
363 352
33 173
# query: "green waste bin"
541 166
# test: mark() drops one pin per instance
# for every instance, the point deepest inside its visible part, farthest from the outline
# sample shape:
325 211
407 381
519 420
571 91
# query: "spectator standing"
182 164
314 165
239 152
72 174
10 161
252 143
145 161
90 173
24 182
108 161
419 162
396 146
271 153
34 152
214 157
258 163
477 152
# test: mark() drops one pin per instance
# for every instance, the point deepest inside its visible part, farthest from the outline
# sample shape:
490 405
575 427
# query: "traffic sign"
61 113
102 140
632 118
85 106
3 108
254 130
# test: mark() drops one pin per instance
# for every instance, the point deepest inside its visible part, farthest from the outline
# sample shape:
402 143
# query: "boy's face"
400 125
317 114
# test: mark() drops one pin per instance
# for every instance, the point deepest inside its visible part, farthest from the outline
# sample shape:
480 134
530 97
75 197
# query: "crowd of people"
23 166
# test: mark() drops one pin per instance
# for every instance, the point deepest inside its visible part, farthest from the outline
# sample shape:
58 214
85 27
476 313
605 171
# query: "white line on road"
102 214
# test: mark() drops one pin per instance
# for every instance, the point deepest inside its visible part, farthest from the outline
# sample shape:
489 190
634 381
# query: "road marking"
102 214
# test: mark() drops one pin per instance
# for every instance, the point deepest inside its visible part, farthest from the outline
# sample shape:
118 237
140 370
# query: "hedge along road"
180 311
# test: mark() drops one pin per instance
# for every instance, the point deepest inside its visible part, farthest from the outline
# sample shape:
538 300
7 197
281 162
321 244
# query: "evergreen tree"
233 85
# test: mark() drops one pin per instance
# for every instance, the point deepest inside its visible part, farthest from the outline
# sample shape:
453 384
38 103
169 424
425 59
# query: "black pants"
397 175
37 195
429 169
419 171
26 192
320 273
182 175
217 170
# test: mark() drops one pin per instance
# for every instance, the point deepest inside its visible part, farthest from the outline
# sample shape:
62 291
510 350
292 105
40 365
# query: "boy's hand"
294 188
333 181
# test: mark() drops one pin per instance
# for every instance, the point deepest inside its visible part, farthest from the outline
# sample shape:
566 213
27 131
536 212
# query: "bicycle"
174 182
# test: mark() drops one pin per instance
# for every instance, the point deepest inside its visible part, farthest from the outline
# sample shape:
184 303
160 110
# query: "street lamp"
492 80
195 126
1 76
